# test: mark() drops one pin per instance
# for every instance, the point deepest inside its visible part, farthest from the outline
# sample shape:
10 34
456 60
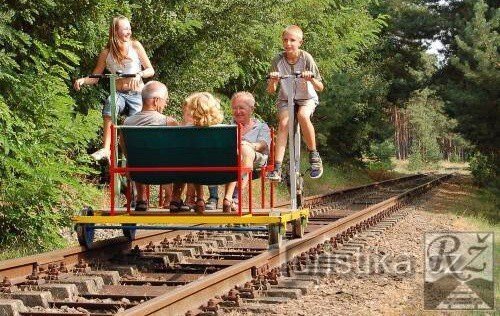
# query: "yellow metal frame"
275 217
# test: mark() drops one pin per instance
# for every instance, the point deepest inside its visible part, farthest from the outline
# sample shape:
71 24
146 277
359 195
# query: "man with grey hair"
255 145
255 150
154 101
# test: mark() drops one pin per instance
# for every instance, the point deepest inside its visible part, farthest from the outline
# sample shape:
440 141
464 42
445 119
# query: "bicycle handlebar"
296 74
118 74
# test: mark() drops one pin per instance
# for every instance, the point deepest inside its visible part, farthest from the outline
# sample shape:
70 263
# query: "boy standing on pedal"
291 60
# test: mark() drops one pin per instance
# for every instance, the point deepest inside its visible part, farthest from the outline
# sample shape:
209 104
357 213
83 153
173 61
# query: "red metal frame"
263 173
113 170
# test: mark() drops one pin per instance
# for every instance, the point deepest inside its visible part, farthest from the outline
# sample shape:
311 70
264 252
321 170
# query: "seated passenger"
200 109
154 101
255 145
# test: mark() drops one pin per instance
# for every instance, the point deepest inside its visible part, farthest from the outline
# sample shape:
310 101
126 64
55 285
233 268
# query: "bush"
484 170
43 164
380 155
416 162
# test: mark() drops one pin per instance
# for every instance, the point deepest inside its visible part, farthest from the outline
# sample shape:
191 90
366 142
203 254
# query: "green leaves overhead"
219 46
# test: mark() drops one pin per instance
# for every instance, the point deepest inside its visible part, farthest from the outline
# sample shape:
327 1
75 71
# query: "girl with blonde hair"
126 55
205 109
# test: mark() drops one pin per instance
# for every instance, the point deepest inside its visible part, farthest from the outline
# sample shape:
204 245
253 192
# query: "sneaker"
316 170
103 153
274 175
211 204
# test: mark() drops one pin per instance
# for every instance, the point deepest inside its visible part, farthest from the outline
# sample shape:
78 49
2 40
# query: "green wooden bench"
189 147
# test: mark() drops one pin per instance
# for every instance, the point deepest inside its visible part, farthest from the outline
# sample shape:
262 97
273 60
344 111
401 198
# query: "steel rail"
17 269
199 292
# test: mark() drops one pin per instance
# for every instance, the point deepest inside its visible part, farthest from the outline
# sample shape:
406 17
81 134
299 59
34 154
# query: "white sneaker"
101 154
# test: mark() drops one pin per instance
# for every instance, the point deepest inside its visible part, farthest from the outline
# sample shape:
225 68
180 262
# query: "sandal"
175 206
199 207
141 206
228 206
188 205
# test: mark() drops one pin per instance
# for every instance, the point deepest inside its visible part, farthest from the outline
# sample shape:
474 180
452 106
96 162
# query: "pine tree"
473 81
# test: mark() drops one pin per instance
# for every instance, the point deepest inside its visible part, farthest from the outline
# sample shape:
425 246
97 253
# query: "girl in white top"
124 54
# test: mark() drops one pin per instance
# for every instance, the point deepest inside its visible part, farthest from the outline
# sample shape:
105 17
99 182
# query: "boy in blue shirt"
291 60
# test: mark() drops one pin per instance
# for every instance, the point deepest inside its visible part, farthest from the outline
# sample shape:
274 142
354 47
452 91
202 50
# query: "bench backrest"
181 146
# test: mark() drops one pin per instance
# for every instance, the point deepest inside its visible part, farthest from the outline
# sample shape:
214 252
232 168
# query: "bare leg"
168 193
191 194
106 132
282 137
304 118
177 191
199 206
199 191
141 192
248 156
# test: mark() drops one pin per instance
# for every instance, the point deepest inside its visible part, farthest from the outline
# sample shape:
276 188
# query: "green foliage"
400 54
220 46
416 161
351 116
427 119
484 170
43 139
471 79
380 154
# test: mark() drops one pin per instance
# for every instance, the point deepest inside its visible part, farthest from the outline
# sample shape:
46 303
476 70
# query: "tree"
471 79
428 124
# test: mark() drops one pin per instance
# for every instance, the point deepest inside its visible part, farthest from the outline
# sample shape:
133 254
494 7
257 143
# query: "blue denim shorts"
127 103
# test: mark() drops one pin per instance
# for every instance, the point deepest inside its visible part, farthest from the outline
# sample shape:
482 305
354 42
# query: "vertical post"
271 183
112 96
263 187
250 192
291 144
129 195
112 173
114 179
296 154
238 135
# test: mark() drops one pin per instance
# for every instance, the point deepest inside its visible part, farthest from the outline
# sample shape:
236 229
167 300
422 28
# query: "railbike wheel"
85 232
298 228
129 232
275 236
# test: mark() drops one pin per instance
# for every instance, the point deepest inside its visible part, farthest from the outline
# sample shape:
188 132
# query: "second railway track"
195 272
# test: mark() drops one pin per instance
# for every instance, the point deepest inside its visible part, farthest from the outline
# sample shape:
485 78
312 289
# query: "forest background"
385 95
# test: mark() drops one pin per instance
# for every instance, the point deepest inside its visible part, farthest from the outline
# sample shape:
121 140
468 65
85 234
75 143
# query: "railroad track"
195 272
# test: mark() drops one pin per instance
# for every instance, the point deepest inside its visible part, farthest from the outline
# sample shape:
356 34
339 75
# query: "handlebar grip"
127 75
96 76
297 74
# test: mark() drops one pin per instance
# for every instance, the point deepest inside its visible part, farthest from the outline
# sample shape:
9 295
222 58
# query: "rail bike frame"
128 220
294 142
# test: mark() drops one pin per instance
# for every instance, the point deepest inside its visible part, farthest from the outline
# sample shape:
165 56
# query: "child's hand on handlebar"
84 81
79 83
136 81
274 77
307 75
